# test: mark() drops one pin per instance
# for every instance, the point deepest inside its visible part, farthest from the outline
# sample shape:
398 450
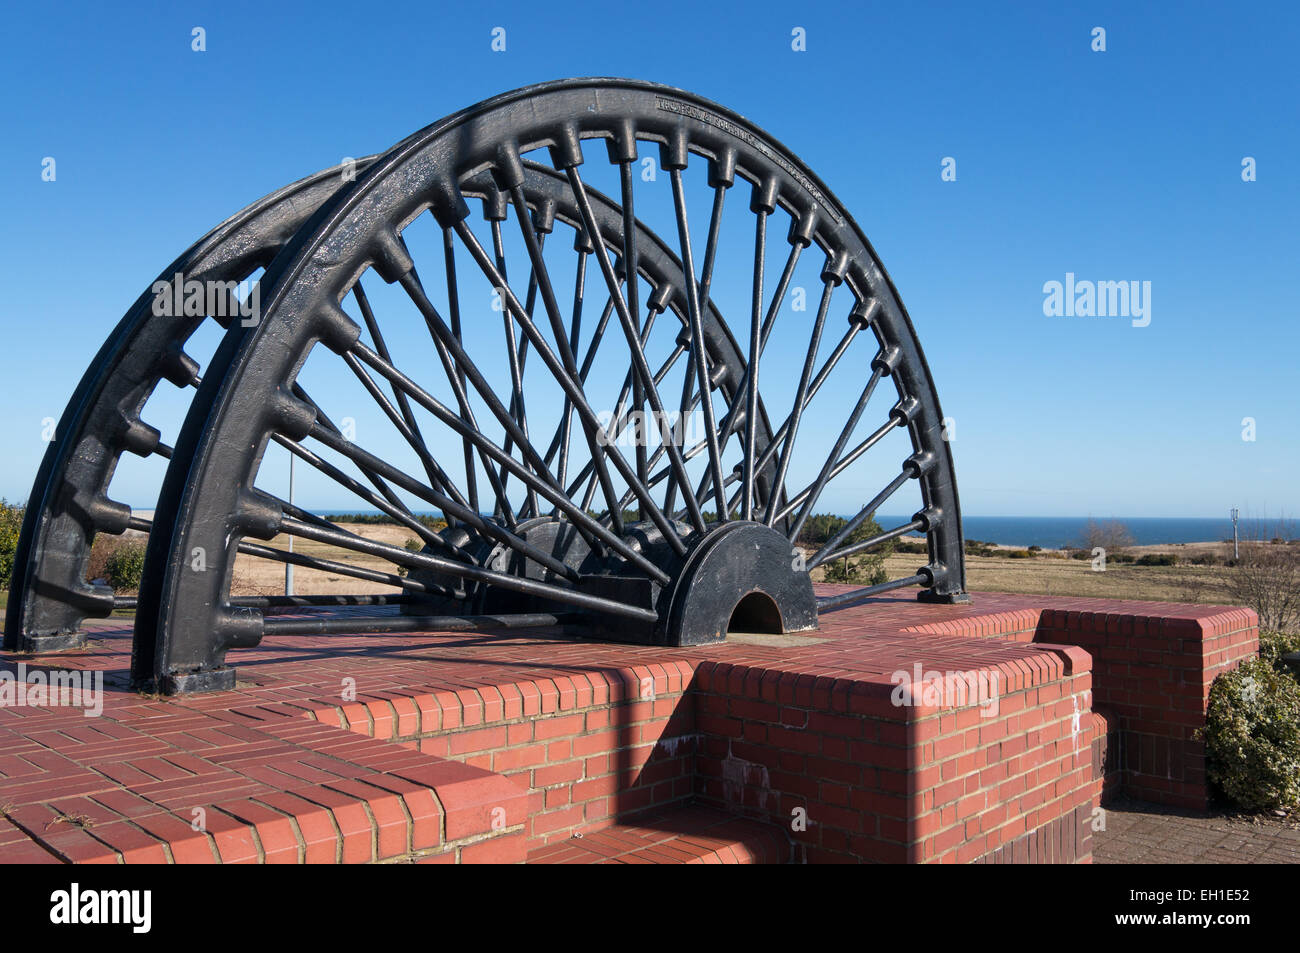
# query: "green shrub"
11 524
434 523
1017 554
1204 559
411 545
1157 559
1273 645
1119 557
125 565
869 571
1252 737
820 528
840 570
1035 549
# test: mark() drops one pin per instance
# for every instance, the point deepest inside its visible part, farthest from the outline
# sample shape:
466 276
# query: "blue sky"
1122 165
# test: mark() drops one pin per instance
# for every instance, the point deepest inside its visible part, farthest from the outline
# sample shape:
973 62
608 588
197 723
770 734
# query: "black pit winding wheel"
551 407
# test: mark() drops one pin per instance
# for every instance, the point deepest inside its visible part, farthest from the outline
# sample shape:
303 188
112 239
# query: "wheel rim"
69 503
187 621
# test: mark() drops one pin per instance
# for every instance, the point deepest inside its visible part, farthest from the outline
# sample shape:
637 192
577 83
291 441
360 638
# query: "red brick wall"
1152 675
1153 678
879 782
589 748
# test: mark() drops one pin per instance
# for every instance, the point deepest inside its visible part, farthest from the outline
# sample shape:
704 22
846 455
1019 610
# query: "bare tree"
1111 535
1267 576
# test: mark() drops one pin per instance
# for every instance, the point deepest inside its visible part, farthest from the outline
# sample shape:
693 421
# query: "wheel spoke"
409 623
775 443
453 313
438 478
884 537
517 411
878 368
560 434
846 599
843 464
408 426
582 244
734 419
575 514
800 400
852 525
455 362
711 243
336 568
506 581
323 419
639 365
622 417
697 344
338 476
586 416
751 369
411 485
568 372
633 307
333 599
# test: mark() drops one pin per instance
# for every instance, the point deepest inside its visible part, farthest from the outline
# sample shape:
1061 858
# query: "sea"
1053 532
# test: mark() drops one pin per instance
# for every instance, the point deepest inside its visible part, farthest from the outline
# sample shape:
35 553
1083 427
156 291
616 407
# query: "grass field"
1047 573
1044 574
1053 576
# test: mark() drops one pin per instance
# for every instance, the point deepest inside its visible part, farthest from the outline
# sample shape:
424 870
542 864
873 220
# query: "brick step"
688 835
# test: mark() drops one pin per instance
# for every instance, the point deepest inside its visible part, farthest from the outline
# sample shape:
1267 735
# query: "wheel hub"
739 570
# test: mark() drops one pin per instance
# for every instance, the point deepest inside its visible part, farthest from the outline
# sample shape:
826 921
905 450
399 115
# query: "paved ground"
1141 833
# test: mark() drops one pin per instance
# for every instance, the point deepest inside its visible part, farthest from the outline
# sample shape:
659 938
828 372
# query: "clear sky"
1122 165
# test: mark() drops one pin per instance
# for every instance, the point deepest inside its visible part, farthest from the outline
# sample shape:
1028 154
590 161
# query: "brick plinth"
1153 664
855 776
496 747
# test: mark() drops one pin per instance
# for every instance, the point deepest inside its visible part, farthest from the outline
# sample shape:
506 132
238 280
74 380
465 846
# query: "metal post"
288 567
1235 554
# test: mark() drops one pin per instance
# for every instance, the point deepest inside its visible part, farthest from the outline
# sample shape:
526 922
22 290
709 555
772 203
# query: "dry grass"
1051 573
1046 574
261 577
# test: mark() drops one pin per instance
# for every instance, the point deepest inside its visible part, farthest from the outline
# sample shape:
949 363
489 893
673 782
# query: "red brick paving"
692 835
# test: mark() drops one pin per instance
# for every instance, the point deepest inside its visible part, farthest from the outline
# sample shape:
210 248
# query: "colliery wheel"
49 595
615 426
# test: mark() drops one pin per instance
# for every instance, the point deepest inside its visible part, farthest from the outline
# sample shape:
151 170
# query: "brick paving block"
351 818
316 827
275 831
